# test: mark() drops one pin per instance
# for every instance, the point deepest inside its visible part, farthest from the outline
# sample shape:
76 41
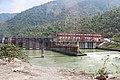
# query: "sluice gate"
39 43
65 43
29 43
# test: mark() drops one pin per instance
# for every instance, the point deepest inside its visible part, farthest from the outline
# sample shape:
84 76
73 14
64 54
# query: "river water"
90 63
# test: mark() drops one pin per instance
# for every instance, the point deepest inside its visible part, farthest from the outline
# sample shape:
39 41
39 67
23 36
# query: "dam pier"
69 44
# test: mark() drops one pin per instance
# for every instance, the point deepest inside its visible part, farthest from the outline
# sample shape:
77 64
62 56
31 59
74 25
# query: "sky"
16 6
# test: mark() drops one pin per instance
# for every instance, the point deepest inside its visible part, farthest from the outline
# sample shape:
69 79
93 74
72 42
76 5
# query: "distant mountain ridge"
58 11
6 16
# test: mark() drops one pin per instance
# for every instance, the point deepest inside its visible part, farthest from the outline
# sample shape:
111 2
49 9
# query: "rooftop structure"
78 37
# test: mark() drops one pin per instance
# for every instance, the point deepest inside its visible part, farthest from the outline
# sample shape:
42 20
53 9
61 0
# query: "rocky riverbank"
25 71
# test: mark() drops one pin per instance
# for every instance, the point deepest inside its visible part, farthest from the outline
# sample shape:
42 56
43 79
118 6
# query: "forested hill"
58 16
6 16
55 10
108 23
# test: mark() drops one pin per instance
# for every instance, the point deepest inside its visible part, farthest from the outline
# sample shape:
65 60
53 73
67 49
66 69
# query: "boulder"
18 69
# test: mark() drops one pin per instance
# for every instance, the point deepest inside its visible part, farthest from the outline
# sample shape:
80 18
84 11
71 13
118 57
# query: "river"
90 63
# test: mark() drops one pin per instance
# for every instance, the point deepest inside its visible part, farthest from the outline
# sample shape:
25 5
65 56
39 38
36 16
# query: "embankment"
109 49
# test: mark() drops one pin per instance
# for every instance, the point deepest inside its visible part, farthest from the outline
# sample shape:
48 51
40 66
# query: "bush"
102 70
12 51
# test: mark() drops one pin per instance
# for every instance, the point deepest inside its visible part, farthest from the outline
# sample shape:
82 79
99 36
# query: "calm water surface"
90 63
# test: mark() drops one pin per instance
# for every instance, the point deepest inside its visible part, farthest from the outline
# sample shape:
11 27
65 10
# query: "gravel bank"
25 71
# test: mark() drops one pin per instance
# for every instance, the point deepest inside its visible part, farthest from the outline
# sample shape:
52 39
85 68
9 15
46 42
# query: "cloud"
14 6
18 6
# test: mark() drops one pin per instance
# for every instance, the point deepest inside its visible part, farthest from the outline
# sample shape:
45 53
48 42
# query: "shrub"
12 51
102 70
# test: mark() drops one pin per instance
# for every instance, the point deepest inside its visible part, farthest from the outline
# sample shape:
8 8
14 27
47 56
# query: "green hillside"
65 16
107 24
52 12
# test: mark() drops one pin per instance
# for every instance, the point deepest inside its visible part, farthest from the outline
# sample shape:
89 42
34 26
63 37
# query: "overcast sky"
14 6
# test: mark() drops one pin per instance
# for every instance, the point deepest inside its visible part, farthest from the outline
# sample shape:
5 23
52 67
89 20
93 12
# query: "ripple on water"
92 62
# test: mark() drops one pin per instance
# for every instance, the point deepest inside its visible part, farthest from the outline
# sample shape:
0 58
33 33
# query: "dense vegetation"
79 16
11 51
107 23
53 12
